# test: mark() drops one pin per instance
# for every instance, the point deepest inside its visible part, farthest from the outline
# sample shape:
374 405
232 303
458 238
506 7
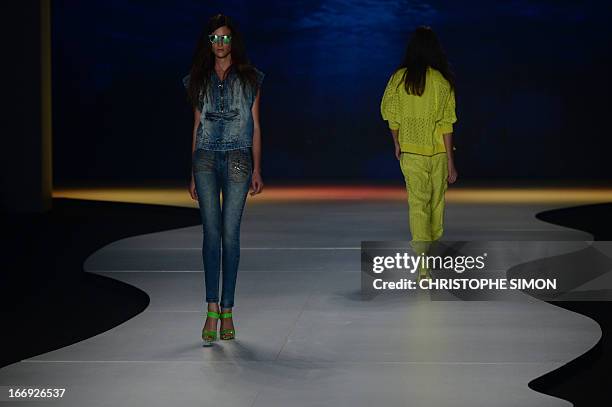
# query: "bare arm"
448 144
394 134
196 122
257 182
256 135
449 117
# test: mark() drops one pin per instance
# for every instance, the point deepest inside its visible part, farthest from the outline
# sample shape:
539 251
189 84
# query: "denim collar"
230 74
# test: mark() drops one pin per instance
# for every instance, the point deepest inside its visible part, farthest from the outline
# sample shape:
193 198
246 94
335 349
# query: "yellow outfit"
421 121
425 178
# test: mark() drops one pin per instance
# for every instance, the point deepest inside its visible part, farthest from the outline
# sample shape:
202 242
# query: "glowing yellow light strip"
180 197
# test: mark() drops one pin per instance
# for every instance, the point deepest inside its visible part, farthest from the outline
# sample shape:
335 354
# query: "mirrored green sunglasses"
214 38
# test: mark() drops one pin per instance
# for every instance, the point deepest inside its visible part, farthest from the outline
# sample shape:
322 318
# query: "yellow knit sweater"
421 120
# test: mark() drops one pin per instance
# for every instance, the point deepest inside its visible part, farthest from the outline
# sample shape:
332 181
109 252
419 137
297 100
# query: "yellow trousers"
426 184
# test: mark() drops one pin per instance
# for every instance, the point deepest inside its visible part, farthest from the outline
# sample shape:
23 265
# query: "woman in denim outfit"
224 90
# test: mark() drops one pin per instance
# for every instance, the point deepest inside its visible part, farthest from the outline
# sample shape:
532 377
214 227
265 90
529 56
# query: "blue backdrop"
533 88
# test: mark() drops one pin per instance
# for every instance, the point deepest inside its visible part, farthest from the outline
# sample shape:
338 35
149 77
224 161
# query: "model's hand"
192 190
452 172
256 183
398 151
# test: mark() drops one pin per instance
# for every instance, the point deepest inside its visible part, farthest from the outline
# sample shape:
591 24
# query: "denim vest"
226 120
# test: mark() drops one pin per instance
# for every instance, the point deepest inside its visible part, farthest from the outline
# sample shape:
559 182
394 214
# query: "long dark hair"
424 50
203 62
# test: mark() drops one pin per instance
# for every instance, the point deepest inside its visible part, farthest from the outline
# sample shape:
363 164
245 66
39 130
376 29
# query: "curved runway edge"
586 380
48 301
301 349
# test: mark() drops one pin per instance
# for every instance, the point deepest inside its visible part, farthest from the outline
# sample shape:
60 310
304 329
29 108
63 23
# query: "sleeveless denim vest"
226 120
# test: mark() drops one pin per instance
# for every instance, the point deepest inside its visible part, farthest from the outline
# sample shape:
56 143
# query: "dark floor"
586 380
47 300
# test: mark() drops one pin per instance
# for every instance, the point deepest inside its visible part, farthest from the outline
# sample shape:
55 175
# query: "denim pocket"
240 164
203 160
222 127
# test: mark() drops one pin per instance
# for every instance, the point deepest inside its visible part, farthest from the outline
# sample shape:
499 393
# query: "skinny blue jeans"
225 173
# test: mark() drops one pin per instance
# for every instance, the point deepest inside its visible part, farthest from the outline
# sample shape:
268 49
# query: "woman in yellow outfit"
419 105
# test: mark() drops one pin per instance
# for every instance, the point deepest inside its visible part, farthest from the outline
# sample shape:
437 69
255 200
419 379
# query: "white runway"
305 337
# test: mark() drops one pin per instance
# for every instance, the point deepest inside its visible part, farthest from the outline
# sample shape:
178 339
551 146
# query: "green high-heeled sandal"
209 336
227 334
